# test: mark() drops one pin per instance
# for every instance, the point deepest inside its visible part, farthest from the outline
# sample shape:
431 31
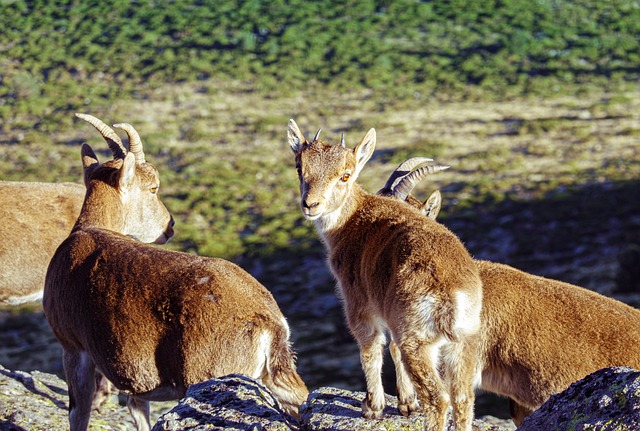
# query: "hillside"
534 105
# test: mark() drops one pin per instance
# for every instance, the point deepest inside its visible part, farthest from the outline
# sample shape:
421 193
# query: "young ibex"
538 335
397 272
36 218
154 321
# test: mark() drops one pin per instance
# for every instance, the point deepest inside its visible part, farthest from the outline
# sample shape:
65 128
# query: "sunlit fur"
398 272
34 219
539 335
154 321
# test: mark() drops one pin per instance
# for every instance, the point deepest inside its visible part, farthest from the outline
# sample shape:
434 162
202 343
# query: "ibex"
538 335
36 218
397 272
153 321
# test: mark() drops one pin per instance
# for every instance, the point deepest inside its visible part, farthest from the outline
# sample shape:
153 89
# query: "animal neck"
331 223
102 209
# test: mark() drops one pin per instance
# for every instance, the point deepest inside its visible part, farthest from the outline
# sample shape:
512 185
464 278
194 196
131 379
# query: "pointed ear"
431 206
89 161
127 172
295 137
364 149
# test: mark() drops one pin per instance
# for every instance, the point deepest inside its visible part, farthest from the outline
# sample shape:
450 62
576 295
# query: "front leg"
371 341
407 398
79 371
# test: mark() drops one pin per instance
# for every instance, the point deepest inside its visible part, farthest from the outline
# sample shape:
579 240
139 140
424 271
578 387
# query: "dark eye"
345 177
299 169
154 190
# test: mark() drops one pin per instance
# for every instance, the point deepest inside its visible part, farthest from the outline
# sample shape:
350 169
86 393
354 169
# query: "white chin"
312 217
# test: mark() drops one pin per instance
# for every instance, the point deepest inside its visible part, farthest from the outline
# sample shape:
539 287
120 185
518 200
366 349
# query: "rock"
607 400
38 401
332 409
235 401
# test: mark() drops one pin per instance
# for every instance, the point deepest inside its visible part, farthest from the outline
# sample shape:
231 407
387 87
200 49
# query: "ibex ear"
127 172
89 161
431 206
295 137
364 149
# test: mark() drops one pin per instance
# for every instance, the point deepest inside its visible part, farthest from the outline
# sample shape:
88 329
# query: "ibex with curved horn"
154 321
538 335
399 273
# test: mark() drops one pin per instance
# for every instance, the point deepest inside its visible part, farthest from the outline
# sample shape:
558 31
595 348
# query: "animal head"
326 172
129 183
405 177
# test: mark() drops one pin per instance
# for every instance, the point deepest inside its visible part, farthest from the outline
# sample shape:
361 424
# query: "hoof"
370 412
407 408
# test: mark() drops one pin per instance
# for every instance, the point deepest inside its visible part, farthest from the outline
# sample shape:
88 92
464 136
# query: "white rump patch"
263 350
425 307
467 313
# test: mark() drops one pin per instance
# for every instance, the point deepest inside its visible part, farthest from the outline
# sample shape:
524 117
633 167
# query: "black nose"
310 205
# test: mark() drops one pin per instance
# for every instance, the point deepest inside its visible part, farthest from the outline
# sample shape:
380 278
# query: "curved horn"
342 140
315 138
409 181
403 169
112 138
135 143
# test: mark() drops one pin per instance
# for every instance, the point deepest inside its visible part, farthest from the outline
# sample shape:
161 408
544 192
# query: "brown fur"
398 272
541 335
35 219
154 321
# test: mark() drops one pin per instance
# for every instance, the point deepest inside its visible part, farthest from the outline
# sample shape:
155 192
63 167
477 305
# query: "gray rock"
332 409
607 400
234 401
38 401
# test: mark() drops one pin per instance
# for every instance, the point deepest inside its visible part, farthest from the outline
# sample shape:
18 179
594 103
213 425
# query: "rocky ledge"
608 400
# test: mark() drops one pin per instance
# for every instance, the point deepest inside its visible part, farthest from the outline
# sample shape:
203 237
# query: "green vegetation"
61 55
211 85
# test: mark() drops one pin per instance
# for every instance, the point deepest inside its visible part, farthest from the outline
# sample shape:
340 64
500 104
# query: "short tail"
281 376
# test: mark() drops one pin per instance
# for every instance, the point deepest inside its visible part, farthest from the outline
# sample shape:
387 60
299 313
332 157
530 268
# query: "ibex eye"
153 190
299 170
345 177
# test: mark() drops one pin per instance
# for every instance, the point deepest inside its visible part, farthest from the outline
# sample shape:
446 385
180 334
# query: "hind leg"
79 371
420 357
104 389
460 364
518 412
407 398
139 409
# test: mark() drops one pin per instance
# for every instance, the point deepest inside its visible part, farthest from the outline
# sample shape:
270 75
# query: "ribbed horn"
135 143
409 181
315 138
403 169
112 138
